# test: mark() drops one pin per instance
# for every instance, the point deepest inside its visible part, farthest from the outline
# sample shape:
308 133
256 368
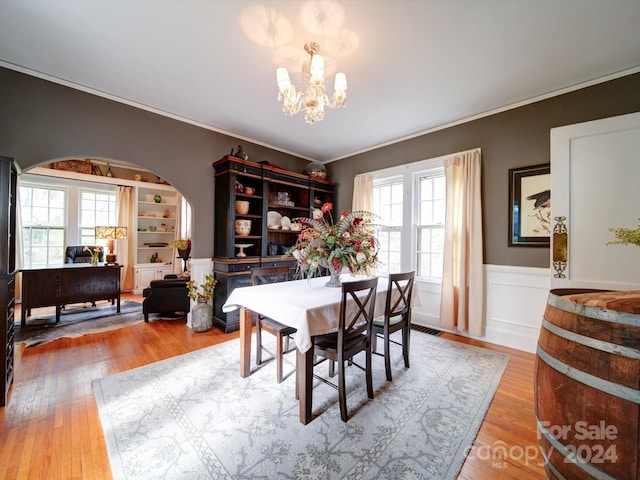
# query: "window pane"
439 187
43 212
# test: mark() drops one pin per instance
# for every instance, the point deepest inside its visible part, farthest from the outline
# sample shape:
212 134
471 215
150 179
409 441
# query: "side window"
431 208
43 217
388 205
96 208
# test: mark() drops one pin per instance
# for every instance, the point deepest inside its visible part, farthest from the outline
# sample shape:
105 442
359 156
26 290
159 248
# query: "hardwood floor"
51 430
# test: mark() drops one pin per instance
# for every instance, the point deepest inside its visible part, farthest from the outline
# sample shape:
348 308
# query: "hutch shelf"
275 197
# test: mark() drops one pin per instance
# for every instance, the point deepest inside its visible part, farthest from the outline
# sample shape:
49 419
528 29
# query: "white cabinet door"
144 274
595 185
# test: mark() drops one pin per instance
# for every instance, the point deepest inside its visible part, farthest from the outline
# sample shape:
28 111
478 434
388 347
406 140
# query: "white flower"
317 214
361 257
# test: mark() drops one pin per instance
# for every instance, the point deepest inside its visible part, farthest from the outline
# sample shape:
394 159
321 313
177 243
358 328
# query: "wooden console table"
70 283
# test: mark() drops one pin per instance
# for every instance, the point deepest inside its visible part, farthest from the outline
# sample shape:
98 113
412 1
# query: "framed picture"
530 206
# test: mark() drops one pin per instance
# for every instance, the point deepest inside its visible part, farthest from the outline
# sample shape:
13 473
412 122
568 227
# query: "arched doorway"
91 192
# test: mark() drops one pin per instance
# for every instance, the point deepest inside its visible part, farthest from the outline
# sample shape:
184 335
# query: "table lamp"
111 234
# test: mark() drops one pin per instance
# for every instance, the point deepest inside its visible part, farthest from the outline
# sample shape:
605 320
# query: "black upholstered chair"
261 276
397 316
169 295
353 336
77 254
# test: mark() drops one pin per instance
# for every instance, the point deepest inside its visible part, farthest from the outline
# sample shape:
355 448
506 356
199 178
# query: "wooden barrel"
587 384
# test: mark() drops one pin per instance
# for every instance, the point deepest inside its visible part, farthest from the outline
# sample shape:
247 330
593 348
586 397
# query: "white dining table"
307 305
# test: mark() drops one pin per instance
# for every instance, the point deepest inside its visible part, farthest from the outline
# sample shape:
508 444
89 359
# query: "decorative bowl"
242 207
243 227
316 170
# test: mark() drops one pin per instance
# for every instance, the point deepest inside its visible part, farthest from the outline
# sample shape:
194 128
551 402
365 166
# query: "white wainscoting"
515 303
516 298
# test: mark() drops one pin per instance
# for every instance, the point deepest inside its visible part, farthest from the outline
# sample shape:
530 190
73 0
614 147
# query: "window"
388 205
411 202
43 216
96 208
431 205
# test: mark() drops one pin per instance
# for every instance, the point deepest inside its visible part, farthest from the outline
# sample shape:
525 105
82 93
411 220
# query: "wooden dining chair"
260 276
397 316
353 336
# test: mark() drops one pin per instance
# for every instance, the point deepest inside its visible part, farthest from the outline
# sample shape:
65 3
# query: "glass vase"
334 278
94 260
201 316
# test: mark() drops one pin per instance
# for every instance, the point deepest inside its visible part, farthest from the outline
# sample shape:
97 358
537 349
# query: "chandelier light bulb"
317 66
282 76
341 82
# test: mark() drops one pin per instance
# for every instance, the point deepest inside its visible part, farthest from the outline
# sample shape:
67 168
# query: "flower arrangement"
350 242
95 253
207 288
182 244
626 236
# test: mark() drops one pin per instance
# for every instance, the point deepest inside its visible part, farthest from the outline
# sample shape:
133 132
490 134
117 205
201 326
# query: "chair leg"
406 332
258 342
342 391
369 373
146 317
387 355
279 355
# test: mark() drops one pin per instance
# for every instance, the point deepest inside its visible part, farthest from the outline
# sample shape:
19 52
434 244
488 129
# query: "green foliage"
207 287
626 236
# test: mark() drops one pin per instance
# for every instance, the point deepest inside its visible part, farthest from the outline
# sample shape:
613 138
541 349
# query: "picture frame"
530 206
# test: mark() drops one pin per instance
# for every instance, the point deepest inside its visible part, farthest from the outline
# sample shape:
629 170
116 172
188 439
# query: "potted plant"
202 312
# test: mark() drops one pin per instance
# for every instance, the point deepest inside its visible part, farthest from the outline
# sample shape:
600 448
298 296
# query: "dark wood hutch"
274 193
8 197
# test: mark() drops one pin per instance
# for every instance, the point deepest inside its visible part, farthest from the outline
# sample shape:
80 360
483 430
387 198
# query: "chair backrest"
399 294
77 254
262 275
356 309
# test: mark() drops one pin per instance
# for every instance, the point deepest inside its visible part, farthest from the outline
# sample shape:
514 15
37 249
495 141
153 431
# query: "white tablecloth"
308 305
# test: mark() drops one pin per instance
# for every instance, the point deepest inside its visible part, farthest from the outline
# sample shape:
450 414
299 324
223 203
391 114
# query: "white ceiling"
412 66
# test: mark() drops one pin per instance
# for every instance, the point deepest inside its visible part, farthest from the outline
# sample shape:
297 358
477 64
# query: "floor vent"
430 331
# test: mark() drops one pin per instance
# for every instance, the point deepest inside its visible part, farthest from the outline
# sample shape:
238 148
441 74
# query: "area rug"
77 321
192 416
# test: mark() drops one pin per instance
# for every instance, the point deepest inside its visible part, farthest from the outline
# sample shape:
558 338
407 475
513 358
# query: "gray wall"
42 121
511 139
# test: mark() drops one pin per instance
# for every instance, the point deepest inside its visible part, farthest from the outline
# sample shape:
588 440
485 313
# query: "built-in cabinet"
275 197
8 197
156 212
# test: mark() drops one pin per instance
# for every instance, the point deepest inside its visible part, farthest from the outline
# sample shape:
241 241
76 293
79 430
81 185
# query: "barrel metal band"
608 347
592 470
598 313
601 384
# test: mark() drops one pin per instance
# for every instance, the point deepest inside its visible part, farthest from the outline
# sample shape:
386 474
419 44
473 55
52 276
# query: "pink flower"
327 207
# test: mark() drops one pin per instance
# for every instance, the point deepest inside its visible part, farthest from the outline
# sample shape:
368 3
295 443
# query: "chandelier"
312 96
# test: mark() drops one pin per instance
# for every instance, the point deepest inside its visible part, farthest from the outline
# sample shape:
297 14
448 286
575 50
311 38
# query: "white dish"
286 223
273 219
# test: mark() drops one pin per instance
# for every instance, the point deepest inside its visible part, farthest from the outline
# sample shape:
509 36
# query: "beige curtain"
362 193
124 248
462 302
